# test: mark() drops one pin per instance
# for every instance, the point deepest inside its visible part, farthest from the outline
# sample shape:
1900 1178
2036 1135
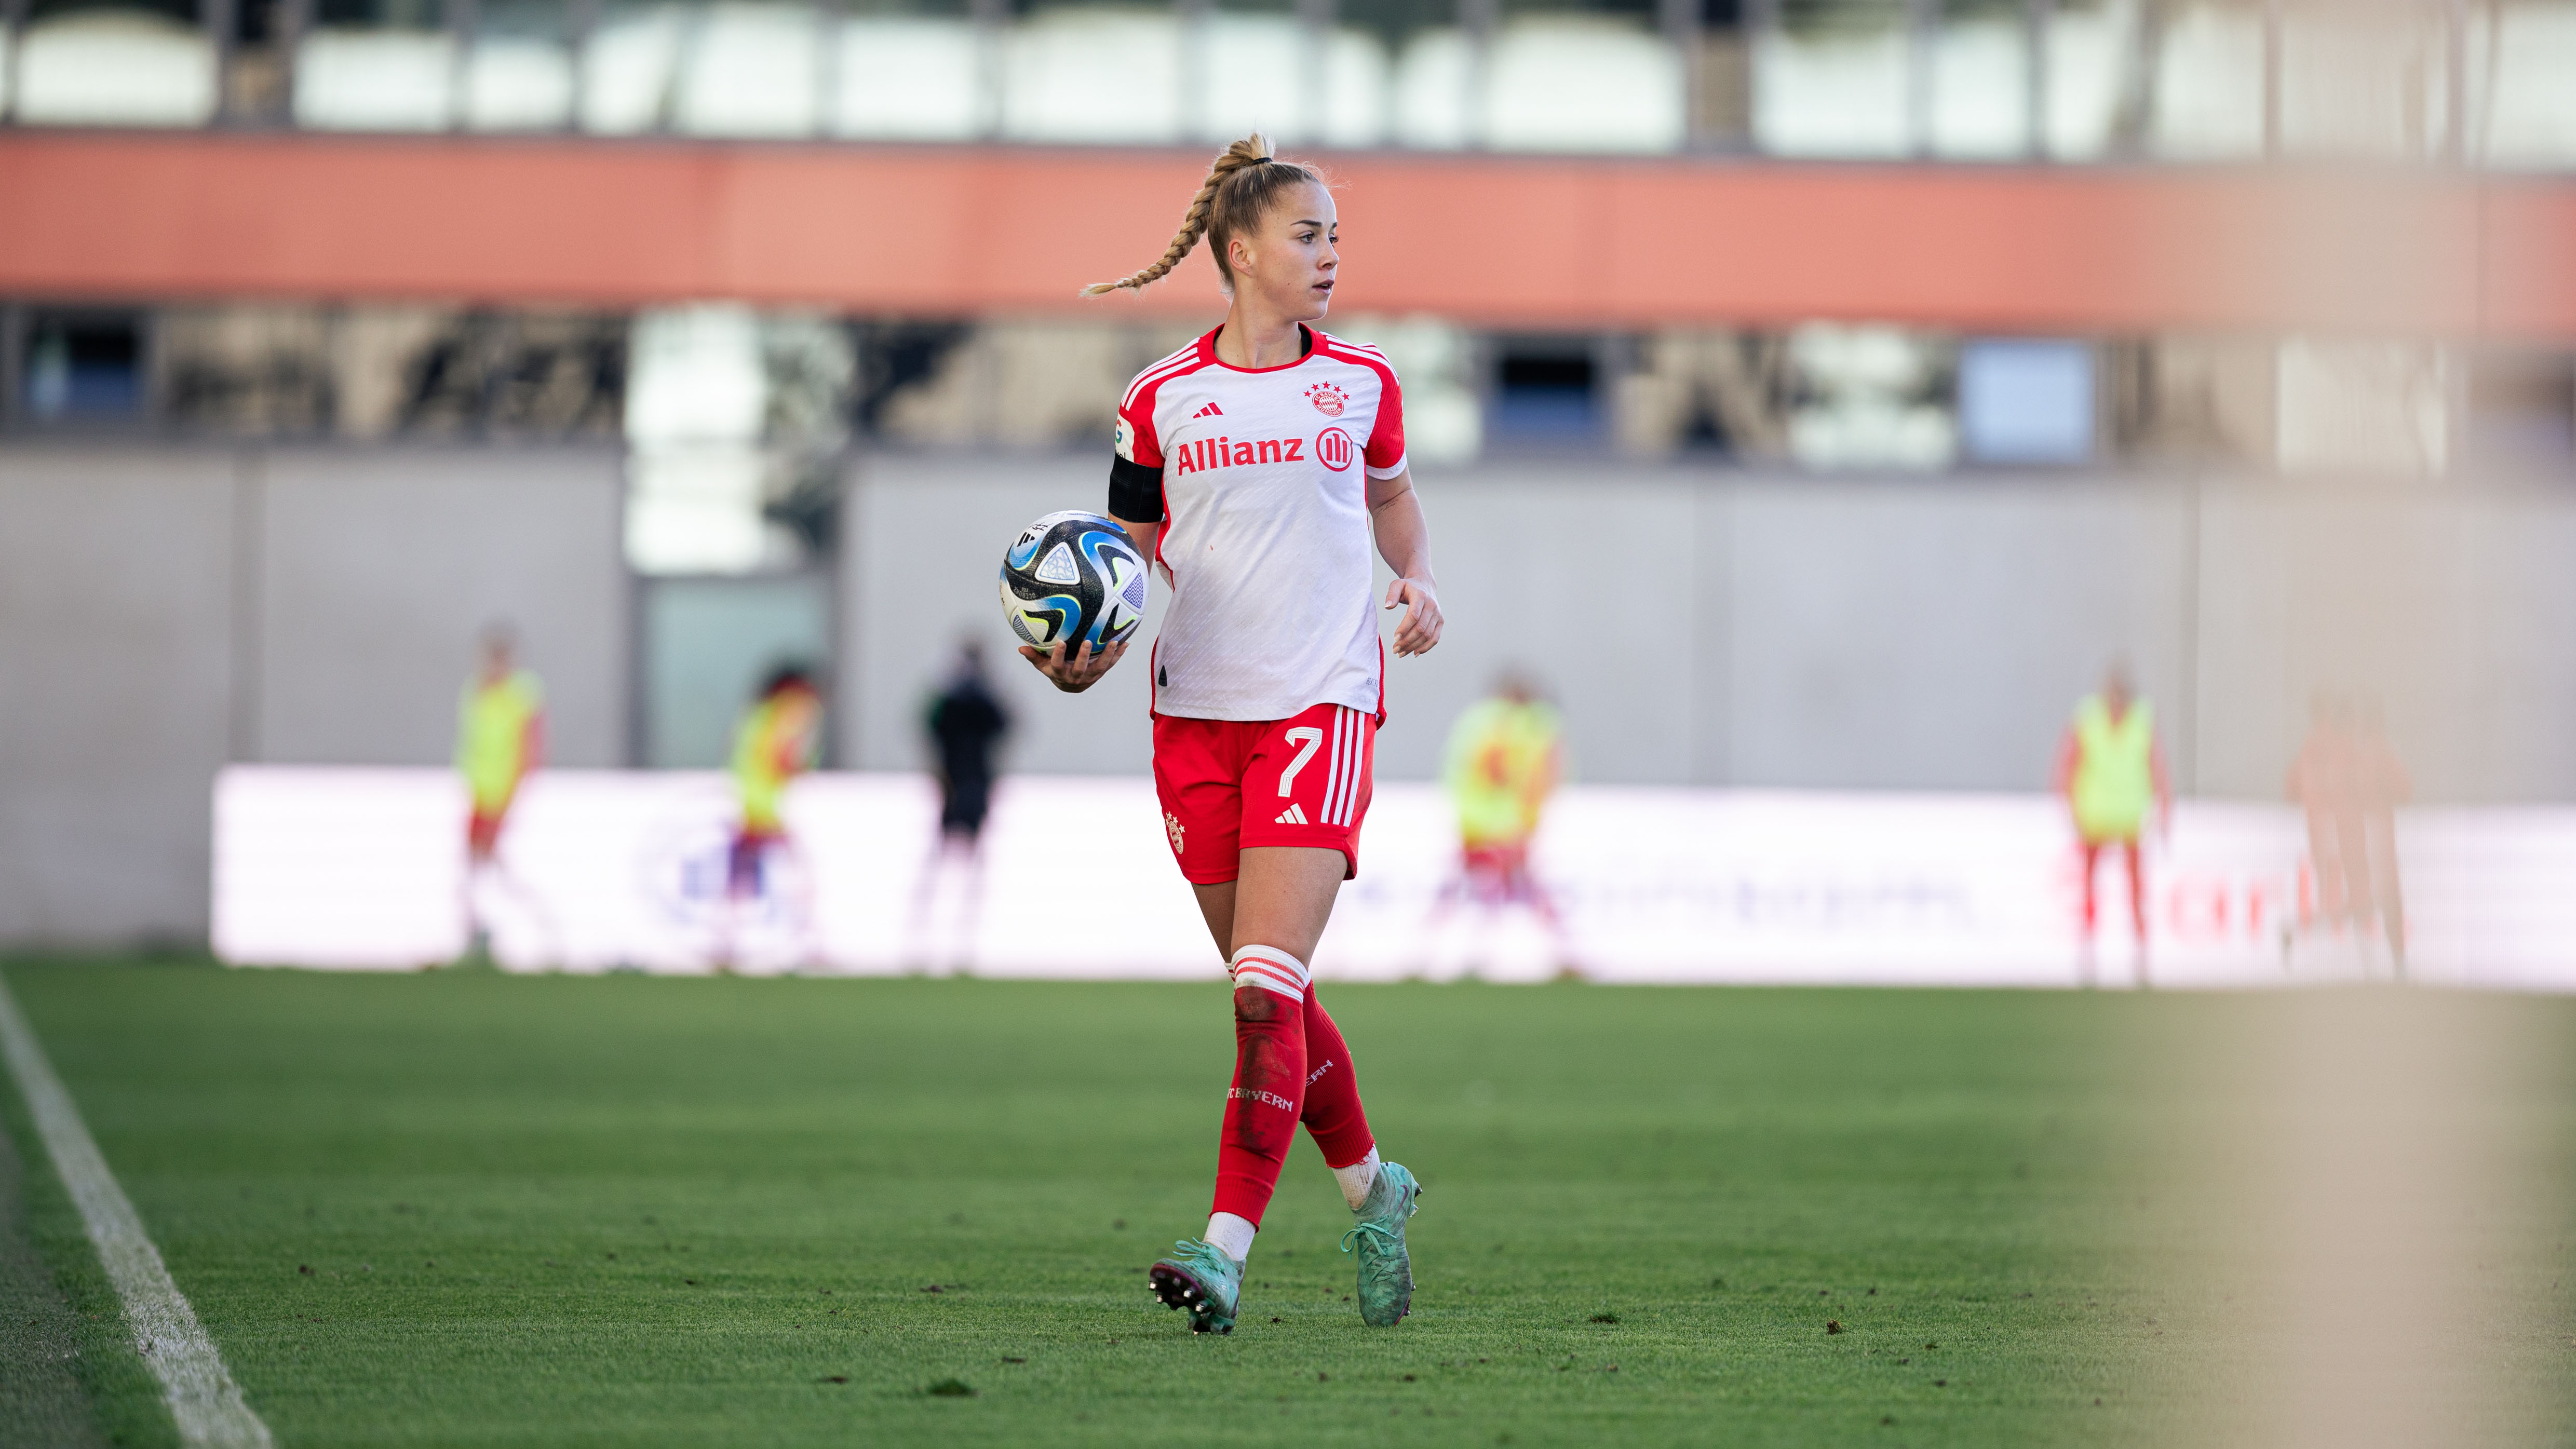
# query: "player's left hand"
1074 671
1421 626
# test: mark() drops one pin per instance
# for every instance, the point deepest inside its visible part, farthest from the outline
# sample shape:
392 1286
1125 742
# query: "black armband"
1135 492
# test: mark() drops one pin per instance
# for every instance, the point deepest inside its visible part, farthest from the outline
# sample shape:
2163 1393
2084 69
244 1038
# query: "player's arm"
1550 772
1404 541
801 744
2164 785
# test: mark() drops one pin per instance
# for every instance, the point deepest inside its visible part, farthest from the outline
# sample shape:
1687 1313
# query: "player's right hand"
1070 671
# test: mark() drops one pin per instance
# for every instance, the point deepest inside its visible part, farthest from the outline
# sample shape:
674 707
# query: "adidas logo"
1293 815
1210 411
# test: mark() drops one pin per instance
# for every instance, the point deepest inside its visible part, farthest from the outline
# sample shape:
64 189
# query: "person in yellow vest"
2111 771
500 738
1505 756
776 741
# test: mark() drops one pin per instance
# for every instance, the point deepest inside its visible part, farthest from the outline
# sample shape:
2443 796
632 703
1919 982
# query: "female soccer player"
1254 467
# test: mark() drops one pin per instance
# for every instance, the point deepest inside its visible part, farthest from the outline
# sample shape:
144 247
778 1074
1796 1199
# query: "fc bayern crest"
1328 399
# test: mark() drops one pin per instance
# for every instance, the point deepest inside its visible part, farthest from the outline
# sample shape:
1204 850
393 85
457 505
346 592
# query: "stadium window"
1716 392
2026 401
130 63
83 367
2366 82
1583 75
2089 96
2526 105
2522 409
1261 65
1835 78
1981 80
895 356
2206 98
2350 406
376 65
2202 398
519 66
510 375
629 67
1426 52
751 70
1544 391
1082 71
246 370
911 70
1871 397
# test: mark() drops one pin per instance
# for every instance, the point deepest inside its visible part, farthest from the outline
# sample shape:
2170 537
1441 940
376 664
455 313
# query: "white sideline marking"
202 1395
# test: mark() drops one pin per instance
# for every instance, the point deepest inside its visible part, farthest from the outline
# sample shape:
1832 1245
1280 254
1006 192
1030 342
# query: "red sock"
1333 1115
2092 859
2137 891
1269 1080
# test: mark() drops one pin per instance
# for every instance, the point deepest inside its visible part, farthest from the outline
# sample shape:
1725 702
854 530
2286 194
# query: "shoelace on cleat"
1388 1234
1384 1266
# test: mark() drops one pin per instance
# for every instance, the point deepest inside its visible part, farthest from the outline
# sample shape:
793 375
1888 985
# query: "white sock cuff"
1357 1178
1271 969
1230 1235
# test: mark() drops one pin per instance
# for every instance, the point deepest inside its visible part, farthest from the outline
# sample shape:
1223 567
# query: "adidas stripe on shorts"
1228 785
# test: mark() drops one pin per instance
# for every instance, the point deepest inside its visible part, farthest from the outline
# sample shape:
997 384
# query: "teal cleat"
1201 1278
1386 1269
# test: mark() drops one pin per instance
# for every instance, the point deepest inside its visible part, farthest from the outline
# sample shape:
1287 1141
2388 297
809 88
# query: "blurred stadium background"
1813 396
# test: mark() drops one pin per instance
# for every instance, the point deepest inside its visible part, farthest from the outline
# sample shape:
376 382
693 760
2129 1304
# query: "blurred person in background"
965 722
2111 770
2320 783
1505 756
777 740
500 738
2381 785
2350 782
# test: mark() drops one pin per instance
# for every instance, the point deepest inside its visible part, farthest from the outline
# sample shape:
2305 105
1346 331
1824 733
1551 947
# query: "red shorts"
1231 784
483 833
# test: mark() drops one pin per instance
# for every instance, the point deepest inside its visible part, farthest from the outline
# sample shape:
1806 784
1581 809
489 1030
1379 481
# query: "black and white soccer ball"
1070 577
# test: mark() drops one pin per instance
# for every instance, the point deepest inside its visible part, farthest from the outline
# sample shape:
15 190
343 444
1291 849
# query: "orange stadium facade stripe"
1491 240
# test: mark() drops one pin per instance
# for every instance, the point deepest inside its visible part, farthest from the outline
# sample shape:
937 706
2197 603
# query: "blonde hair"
1242 183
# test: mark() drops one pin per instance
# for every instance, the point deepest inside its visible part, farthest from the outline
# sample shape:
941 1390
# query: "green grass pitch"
466 1208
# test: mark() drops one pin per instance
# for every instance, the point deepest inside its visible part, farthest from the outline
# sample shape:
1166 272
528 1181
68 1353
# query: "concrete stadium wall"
117 677
377 571
1910 633
164 610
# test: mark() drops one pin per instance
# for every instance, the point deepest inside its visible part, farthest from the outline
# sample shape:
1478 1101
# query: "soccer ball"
1073 576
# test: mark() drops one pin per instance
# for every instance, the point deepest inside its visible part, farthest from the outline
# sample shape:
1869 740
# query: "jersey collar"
1207 350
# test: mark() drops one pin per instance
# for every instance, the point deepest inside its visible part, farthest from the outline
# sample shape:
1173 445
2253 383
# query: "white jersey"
1265 515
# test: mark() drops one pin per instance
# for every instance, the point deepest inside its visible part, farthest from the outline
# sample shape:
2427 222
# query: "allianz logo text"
1332 449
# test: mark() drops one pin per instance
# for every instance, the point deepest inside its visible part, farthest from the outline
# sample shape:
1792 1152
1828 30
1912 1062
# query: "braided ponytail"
1240 186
